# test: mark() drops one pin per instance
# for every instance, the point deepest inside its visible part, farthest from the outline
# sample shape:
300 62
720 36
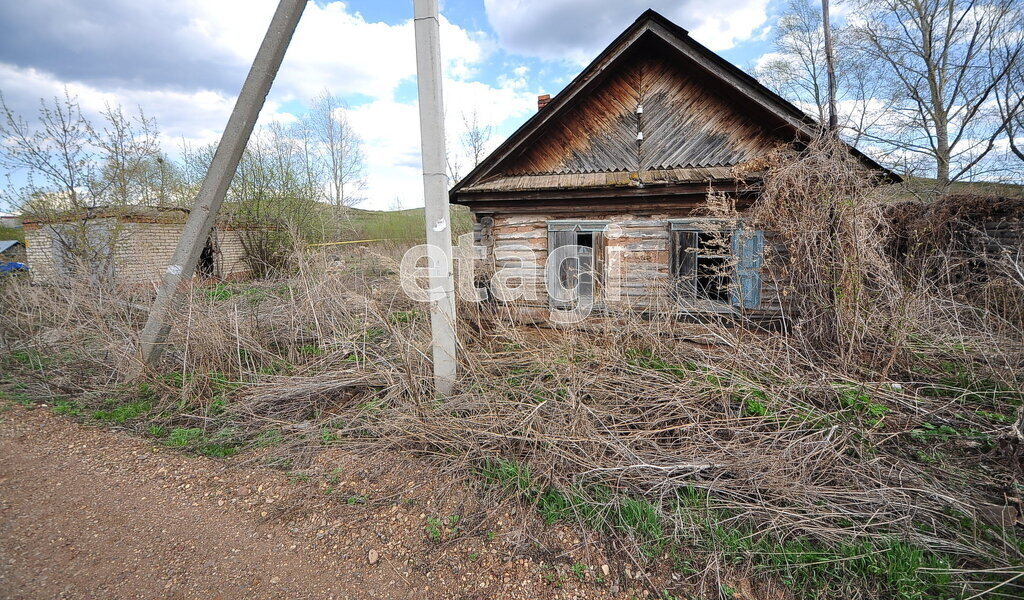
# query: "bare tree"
134 170
475 137
943 60
271 189
336 151
58 155
1009 98
453 164
70 167
71 164
798 71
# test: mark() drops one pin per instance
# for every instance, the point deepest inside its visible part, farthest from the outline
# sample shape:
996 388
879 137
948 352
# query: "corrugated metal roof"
609 179
6 245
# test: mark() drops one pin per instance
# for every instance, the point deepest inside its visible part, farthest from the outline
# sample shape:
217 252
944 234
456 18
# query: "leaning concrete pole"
222 170
435 192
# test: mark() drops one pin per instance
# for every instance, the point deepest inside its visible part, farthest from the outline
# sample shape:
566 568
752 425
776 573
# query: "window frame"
577 226
740 275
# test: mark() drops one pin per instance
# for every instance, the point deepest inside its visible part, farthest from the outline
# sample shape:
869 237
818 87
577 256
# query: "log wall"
637 247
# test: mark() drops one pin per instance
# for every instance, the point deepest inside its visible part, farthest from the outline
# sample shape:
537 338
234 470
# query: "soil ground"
87 512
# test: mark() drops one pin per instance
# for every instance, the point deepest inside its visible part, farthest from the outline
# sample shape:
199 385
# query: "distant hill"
914 187
402 227
11 233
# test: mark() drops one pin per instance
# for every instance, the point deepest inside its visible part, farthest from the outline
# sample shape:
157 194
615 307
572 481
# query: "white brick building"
134 245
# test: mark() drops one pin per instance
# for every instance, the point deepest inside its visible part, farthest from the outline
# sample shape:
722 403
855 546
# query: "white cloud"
391 132
197 117
770 57
573 30
727 23
333 48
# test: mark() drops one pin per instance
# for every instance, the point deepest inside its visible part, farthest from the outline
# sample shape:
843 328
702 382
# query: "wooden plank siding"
687 123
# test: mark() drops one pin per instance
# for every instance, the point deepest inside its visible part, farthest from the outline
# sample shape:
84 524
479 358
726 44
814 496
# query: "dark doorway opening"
206 262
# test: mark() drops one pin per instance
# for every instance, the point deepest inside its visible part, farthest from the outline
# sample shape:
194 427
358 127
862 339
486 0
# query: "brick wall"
39 253
142 250
230 260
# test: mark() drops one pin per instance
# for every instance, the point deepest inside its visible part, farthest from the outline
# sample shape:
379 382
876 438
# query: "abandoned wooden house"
617 166
130 245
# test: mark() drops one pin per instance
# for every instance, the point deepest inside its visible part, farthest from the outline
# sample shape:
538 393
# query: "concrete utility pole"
830 64
218 177
435 192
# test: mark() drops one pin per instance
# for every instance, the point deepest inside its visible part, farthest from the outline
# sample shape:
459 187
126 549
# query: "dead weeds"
870 452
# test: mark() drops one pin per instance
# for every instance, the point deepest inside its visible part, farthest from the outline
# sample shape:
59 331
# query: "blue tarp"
12 267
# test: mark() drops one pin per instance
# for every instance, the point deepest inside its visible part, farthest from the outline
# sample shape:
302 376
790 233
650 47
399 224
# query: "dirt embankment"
90 513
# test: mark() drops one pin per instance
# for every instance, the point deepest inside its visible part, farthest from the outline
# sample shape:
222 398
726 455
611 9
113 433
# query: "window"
577 277
716 263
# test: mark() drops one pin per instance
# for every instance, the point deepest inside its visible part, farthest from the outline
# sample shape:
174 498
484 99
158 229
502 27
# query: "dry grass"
870 453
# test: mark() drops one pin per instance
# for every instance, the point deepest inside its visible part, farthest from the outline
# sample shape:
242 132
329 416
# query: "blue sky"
184 61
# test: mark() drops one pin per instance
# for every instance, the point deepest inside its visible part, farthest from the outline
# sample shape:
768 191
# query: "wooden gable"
686 122
701 116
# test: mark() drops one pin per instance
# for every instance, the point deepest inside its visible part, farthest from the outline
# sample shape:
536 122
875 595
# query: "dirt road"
87 512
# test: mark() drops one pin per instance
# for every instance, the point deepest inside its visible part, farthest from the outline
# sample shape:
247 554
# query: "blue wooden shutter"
748 250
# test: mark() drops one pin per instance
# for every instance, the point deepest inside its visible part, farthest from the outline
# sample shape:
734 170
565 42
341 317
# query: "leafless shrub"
842 295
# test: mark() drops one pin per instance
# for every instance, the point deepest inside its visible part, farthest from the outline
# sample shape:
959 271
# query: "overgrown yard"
704 454
871 450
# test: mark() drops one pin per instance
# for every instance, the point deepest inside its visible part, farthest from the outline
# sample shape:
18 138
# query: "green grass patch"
754 403
218 450
176 379
857 399
30 359
220 444
268 438
958 381
219 292
402 227
510 475
221 383
12 233
182 436
67 408
810 568
647 359
328 436
122 413
442 528
20 398
403 316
